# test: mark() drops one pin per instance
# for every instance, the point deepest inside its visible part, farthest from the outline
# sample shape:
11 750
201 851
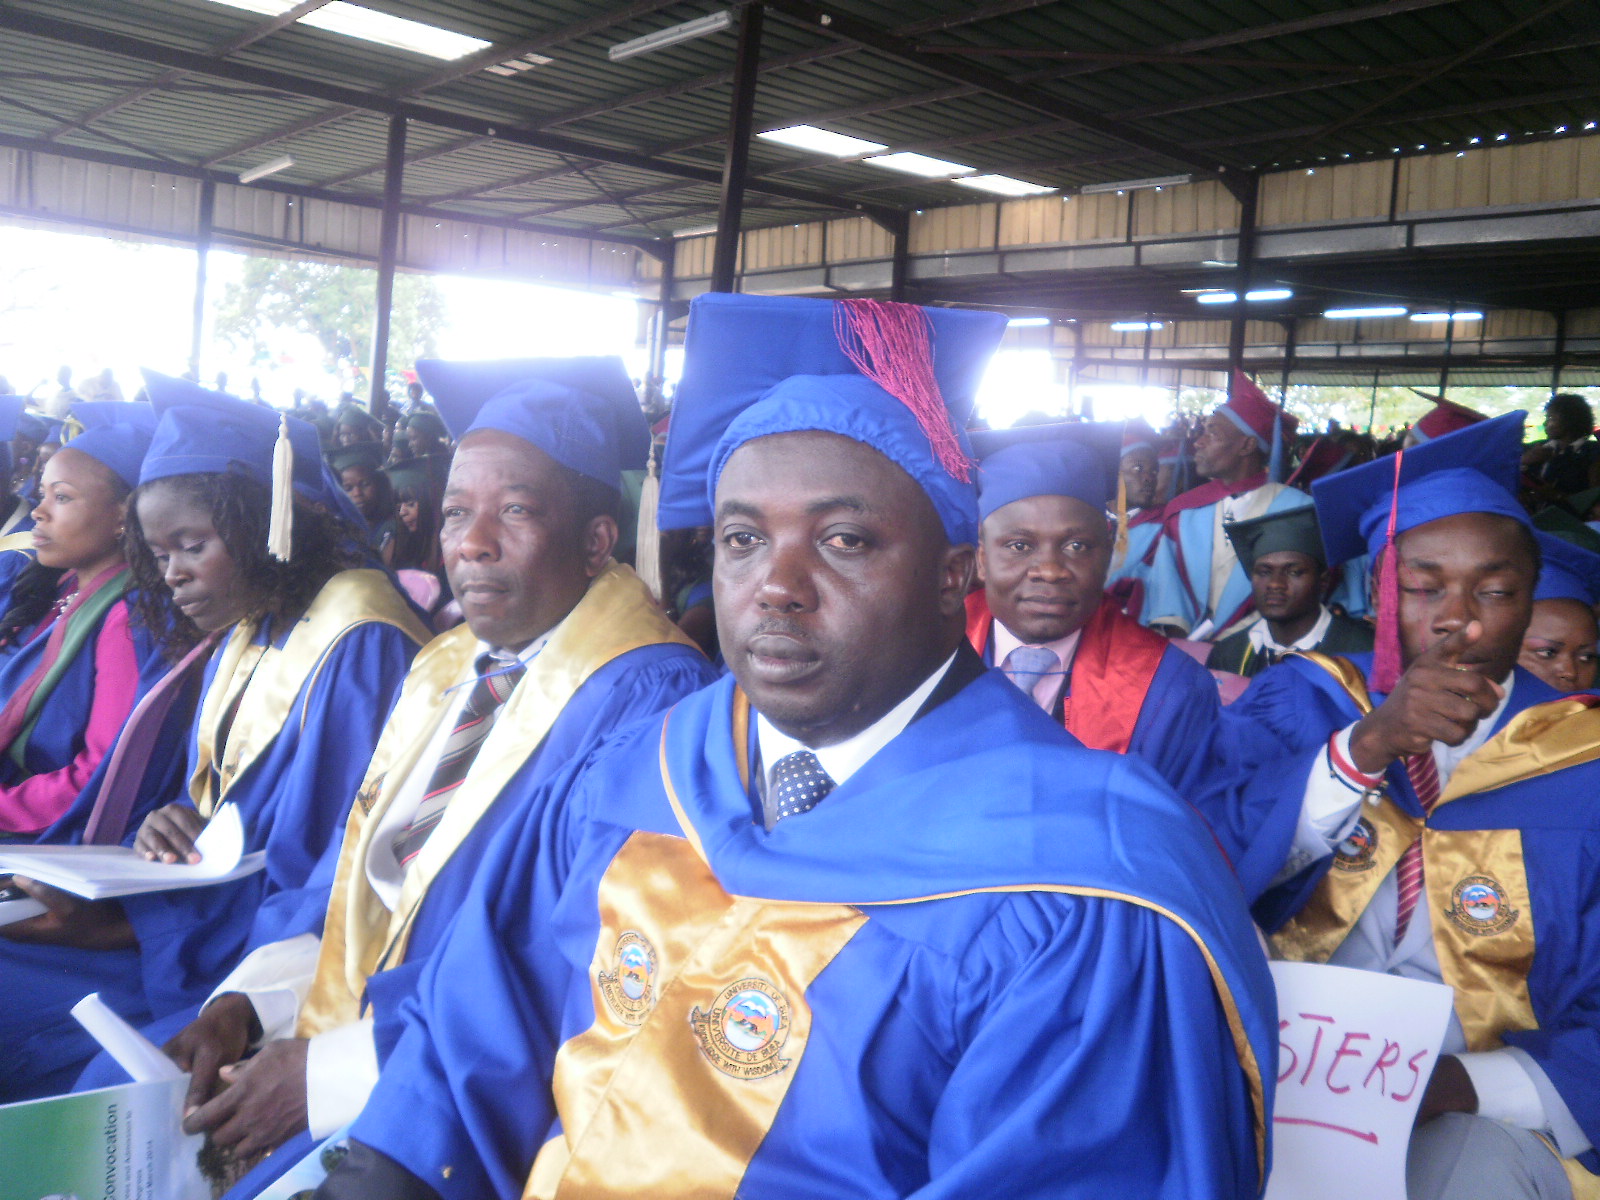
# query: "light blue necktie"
1026 665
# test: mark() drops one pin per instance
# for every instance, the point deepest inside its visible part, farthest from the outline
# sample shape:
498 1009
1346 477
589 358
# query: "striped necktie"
1027 665
477 718
1424 773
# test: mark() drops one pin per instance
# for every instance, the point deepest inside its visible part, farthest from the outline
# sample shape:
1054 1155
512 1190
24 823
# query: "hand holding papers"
104 872
1355 1049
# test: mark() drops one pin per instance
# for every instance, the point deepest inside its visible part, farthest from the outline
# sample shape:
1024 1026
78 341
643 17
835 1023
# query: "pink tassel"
1386 656
892 345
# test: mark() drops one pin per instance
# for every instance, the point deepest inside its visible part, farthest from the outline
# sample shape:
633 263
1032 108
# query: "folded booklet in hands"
102 872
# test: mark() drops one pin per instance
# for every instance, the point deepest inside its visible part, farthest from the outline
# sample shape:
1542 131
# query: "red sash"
1112 670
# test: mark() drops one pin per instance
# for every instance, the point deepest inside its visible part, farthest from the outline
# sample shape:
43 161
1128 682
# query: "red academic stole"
1211 492
1112 670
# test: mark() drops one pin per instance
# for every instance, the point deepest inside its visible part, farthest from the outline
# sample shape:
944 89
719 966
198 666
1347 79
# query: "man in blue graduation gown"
849 923
560 646
1195 586
1043 617
1429 810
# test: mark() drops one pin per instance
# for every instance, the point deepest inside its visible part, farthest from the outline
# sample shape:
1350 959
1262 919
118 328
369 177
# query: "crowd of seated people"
814 796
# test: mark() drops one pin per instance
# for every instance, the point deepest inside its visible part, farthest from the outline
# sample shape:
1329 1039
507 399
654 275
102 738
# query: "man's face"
1222 447
1463 568
1139 470
1287 585
836 591
517 555
1044 561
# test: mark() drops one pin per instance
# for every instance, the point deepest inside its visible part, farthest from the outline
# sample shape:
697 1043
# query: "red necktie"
1424 775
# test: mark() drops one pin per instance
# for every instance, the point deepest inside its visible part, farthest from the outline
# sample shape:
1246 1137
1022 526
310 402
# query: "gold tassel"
647 538
280 530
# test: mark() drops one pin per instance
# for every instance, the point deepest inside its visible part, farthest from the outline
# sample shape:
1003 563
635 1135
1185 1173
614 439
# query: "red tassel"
892 345
1386 656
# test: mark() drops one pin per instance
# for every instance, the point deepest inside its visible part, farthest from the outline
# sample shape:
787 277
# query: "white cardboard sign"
1355 1050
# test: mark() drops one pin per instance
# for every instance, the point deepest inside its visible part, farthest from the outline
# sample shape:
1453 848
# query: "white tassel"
647 538
280 530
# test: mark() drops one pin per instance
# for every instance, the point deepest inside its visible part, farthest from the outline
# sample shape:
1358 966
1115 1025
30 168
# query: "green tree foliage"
335 304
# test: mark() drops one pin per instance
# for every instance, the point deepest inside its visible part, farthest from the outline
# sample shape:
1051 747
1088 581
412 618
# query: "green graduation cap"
1295 530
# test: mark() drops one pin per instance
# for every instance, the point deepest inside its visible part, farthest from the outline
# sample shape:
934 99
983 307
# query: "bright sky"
93 303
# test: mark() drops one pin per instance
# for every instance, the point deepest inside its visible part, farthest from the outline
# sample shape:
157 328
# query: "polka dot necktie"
798 783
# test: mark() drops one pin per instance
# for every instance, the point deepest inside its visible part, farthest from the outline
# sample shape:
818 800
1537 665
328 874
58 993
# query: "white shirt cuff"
1328 812
1512 1087
275 979
341 1071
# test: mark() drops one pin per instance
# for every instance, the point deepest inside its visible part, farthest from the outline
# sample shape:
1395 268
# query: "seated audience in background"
302 655
14 510
1042 615
72 663
1565 462
425 434
1289 580
1195 587
1560 643
561 646
859 920
418 486
358 468
1428 812
353 424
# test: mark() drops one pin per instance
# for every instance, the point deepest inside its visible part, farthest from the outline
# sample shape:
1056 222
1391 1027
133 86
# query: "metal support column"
1291 329
901 265
655 384
1449 344
202 249
1144 360
1248 193
1072 371
388 252
1561 352
730 210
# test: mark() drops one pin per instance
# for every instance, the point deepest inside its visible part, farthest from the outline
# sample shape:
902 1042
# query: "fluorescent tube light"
1131 185
369 25
1217 297
671 36
1020 322
1002 185
1270 294
1444 316
1135 326
821 141
919 164
265 169
1381 310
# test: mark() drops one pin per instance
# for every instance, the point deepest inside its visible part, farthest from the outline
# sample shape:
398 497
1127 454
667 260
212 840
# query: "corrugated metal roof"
1058 93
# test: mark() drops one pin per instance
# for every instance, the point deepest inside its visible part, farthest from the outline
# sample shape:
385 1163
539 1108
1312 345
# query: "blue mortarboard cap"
1571 571
582 412
1077 459
12 409
202 432
756 366
115 433
52 435
32 426
1474 469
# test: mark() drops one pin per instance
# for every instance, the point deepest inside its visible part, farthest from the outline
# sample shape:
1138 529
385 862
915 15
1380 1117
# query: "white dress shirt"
1048 689
1263 643
842 759
342 1063
1511 1087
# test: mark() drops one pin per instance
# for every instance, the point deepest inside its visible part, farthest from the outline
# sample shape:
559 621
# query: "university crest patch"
744 1030
1355 853
1478 904
629 987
